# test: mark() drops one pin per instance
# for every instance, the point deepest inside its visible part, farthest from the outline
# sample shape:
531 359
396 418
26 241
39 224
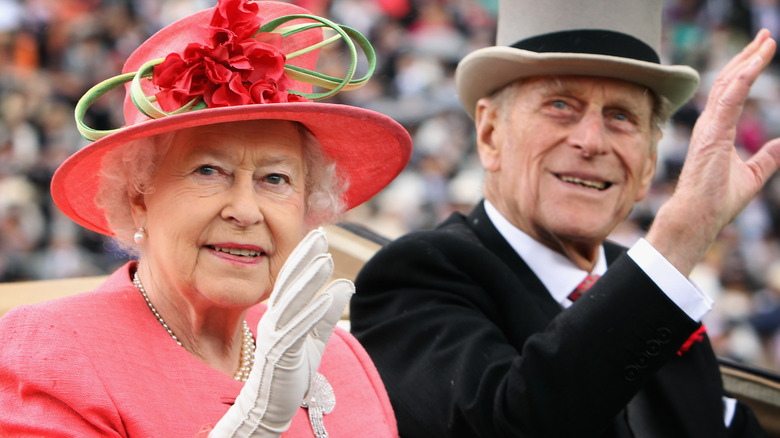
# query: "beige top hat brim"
551 39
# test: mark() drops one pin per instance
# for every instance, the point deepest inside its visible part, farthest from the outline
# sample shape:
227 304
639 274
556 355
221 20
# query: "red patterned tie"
583 286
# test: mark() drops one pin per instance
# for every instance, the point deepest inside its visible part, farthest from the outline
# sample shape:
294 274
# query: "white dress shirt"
560 276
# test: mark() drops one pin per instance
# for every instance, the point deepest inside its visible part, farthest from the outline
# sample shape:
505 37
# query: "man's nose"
587 134
242 203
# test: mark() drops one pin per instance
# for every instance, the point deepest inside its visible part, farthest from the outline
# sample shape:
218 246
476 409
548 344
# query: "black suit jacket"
469 343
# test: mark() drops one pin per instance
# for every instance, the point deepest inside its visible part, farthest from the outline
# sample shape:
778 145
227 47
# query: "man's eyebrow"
558 86
632 103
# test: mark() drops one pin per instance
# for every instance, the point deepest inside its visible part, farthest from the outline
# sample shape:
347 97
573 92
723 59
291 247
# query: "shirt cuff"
676 286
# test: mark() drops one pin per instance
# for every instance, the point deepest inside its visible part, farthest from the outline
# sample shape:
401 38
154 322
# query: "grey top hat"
605 38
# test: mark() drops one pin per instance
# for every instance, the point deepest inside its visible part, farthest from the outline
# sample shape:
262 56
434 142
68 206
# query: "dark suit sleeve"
466 348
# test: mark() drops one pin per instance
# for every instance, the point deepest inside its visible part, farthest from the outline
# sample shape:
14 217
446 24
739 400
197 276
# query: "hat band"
593 42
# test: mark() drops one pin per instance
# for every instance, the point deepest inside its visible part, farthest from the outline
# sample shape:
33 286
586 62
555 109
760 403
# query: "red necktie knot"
583 286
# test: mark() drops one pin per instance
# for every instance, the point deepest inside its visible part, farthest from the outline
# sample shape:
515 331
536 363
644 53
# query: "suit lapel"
479 222
612 251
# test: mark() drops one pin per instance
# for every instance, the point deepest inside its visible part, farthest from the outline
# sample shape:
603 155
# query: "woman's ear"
138 210
486 118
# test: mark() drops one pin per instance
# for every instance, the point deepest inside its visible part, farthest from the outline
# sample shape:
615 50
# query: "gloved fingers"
303 288
341 290
289 348
313 244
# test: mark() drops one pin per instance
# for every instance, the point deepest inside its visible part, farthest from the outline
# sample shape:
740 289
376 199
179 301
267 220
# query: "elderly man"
474 327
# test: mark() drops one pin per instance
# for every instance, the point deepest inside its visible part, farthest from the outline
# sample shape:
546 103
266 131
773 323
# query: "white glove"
291 337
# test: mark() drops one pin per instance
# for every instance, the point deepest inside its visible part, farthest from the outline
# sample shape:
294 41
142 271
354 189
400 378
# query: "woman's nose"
242 203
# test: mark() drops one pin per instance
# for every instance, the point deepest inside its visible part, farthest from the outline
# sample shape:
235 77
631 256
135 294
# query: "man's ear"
486 123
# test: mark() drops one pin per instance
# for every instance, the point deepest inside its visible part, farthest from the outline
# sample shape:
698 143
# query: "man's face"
567 157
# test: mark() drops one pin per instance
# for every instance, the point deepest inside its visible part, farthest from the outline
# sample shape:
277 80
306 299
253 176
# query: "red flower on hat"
236 66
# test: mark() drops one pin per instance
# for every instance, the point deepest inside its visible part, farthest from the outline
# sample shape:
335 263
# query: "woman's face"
224 211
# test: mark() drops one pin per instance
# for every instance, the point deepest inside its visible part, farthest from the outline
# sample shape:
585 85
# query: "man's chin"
581 234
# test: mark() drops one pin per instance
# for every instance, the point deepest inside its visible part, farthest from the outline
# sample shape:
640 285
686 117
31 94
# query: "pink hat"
233 63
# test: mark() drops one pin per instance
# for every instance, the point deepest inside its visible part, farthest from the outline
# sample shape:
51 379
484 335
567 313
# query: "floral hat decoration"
240 60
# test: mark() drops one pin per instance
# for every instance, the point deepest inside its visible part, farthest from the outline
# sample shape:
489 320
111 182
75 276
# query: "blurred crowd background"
52 51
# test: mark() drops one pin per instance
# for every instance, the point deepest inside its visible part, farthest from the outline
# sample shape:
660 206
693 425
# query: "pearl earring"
140 236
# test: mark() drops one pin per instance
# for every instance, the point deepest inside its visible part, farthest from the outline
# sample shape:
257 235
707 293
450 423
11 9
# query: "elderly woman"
217 183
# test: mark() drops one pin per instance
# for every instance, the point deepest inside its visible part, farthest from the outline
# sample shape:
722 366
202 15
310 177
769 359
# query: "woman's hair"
128 171
325 185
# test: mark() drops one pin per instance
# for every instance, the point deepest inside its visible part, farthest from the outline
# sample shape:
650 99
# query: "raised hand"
716 183
291 337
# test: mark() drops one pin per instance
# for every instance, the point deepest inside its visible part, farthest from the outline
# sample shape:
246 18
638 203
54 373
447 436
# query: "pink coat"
99 364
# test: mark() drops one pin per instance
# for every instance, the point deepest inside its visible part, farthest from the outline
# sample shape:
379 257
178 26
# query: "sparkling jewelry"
140 236
247 345
319 401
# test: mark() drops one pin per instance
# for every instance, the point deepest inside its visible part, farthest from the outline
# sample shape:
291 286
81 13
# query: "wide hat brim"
489 69
370 149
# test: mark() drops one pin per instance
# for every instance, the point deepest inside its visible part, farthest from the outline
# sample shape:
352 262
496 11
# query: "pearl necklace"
247 346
